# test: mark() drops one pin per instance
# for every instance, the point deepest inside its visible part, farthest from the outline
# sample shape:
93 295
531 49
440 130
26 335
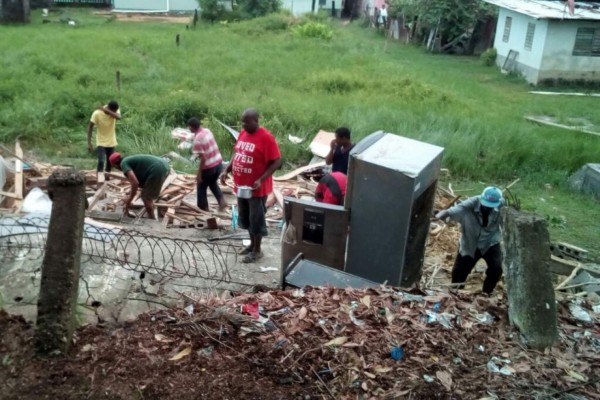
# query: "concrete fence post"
531 300
59 286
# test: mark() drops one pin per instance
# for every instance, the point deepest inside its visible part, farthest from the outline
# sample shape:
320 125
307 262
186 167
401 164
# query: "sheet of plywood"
321 144
298 171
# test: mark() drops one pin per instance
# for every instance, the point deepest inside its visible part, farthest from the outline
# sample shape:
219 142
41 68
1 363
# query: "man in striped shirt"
210 165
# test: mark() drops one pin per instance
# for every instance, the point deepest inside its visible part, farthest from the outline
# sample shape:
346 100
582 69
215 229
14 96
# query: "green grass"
52 76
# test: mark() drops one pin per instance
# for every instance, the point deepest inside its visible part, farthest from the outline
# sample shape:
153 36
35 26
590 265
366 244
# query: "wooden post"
59 285
119 81
177 40
531 301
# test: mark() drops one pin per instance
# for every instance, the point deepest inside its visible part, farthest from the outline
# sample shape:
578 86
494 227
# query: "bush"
488 57
314 30
258 8
211 10
274 22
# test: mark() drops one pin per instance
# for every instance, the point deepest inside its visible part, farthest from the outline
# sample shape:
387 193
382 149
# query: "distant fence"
86 3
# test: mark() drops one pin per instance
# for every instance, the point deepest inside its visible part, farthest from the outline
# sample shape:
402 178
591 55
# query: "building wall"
558 60
528 62
141 5
299 7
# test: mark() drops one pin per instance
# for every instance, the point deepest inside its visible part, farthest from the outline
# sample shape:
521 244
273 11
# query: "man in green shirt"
143 171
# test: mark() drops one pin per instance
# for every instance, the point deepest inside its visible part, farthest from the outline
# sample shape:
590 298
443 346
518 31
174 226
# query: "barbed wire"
25 237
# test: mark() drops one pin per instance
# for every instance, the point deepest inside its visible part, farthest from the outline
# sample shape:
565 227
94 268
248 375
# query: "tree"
452 17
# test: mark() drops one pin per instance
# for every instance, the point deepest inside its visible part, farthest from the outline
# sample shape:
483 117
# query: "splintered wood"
174 211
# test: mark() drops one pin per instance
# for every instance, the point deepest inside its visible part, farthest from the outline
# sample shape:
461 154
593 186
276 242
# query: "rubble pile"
317 343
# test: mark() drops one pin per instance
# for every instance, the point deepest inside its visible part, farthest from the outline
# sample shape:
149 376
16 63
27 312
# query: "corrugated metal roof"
545 9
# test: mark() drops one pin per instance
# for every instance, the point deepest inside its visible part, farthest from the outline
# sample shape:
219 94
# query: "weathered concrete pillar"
60 269
529 287
15 11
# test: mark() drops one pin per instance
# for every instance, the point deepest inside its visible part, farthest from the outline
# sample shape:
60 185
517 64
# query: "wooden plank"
41 182
167 218
99 194
279 198
298 171
555 125
172 176
194 208
176 199
8 194
19 182
116 176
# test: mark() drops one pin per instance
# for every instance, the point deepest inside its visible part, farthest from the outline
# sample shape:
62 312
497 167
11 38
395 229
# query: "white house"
542 40
296 7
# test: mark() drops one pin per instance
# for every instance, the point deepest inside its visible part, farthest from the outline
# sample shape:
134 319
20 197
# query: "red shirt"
253 152
332 189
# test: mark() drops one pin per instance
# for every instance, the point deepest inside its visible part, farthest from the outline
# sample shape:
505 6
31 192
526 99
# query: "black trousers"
103 154
210 179
463 265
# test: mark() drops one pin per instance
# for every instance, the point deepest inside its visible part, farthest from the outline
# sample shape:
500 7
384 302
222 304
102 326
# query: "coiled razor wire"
25 237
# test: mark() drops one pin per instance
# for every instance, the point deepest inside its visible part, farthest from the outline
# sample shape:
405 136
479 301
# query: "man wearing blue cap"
479 218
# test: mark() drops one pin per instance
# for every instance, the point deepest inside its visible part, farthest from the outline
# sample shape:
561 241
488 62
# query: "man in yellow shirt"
104 118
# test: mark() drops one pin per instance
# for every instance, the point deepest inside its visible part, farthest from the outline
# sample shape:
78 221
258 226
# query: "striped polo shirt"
206 146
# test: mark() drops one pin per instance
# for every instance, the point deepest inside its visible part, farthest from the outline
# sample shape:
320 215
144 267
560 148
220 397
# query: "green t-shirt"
144 166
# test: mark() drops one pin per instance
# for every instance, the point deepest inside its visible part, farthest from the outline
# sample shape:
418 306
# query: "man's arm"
200 167
113 114
89 135
271 168
329 157
135 184
226 172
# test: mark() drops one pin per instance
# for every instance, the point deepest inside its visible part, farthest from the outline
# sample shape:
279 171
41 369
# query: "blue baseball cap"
491 197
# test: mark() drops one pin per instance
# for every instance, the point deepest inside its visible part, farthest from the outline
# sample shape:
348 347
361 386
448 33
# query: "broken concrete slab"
586 180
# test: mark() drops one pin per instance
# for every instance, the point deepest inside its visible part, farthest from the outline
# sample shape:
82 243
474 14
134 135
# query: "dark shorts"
251 215
153 184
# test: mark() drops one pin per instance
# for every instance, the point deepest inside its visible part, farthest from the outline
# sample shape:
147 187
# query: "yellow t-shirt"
105 128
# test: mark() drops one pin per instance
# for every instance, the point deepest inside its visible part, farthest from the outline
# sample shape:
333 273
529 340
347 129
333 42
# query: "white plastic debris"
444 319
407 297
428 378
295 139
485 318
184 146
37 202
298 293
579 313
494 368
189 309
596 308
355 321
268 269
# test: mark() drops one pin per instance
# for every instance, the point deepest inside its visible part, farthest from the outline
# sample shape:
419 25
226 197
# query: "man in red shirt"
332 189
256 157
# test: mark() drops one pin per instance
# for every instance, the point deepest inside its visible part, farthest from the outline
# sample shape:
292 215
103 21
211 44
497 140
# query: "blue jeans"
103 154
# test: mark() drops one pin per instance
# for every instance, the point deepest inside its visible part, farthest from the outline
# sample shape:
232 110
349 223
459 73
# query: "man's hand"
442 214
223 178
90 147
257 184
333 144
198 178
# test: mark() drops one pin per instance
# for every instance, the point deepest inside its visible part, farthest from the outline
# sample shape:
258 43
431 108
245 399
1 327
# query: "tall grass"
52 76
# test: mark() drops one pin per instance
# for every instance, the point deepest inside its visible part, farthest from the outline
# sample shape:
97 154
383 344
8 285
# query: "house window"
529 36
587 42
507 25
